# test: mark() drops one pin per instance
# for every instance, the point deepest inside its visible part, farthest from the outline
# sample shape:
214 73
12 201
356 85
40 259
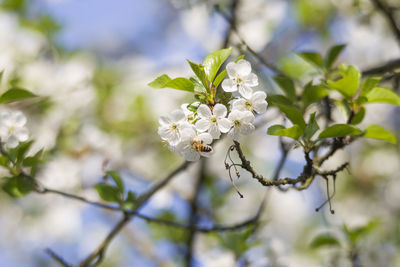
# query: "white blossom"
256 102
193 145
12 128
240 78
171 127
213 121
242 123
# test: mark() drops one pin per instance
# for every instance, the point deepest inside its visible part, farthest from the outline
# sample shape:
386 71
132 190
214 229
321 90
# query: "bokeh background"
92 60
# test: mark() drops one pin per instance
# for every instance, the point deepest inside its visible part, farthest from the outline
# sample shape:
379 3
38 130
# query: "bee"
200 146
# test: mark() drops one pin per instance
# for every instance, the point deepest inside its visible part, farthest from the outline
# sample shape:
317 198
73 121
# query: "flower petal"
260 107
164 120
258 96
239 104
243 68
231 70
178 115
245 91
205 137
246 128
224 125
234 133
22 134
251 80
12 141
247 117
229 86
203 125
19 119
204 111
219 110
214 131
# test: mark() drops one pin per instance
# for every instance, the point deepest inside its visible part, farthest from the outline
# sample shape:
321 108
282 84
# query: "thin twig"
57 258
388 12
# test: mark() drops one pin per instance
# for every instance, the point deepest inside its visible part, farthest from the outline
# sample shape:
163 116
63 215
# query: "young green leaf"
15 94
130 201
377 132
349 83
219 78
358 117
198 69
382 95
18 186
312 57
369 84
294 115
293 132
239 58
117 179
313 93
333 54
213 62
339 130
287 85
278 99
324 240
311 128
356 233
108 192
180 83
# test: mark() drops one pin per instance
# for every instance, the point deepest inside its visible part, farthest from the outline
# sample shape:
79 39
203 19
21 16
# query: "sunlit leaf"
117 179
333 54
219 78
324 240
198 69
377 132
293 132
213 62
369 84
382 95
18 186
180 83
312 57
15 94
339 130
349 82
108 192
287 85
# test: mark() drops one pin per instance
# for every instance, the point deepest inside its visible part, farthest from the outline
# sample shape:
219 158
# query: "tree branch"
381 69
388 12
57 258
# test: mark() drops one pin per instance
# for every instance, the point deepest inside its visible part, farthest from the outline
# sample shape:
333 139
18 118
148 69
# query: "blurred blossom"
12 128
61 173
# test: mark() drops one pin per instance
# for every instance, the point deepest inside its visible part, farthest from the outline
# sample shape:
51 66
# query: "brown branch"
57 258
388 12
233 12
383 68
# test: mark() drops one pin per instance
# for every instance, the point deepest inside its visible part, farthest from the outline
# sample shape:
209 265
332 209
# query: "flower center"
174 126
12 128
239 80
237 123
213 119
248 105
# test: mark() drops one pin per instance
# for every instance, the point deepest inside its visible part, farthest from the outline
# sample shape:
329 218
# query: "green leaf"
382 95
324 240
294 115
213 62
349 83
198 69
239 58
15 94
4 161
358 117
18 186
293 132
312 57
333 54
117 179
219 78
313 93
278 99
287 85
198 87
369 84
311 128
180 83
108 192
377 132
22 149
130 201
354 234
339 130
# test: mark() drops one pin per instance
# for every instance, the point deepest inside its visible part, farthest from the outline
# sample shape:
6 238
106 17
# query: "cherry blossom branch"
381 69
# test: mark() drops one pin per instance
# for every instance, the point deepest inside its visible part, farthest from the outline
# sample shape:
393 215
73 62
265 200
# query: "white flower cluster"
190 130
12 128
